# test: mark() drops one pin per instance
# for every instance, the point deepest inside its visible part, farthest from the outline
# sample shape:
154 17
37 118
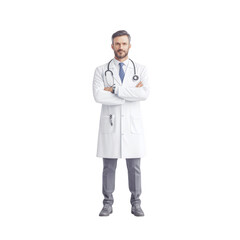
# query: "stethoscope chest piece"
135 77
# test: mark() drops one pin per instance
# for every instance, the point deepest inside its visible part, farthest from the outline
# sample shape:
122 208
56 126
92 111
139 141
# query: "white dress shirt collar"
116 62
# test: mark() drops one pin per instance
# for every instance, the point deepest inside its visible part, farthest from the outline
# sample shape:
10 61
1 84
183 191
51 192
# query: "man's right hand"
139 84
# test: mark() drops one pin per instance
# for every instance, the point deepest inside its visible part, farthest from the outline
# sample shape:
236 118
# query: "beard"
121 55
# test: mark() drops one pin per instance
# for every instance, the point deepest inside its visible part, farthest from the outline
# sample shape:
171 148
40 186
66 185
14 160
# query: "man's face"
121 46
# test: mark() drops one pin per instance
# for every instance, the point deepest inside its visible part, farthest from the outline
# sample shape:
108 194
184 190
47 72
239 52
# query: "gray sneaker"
106 210
137 210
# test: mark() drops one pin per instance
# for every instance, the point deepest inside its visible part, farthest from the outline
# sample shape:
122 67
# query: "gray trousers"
134 179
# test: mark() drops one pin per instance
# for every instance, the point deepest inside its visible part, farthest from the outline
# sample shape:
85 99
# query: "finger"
138 84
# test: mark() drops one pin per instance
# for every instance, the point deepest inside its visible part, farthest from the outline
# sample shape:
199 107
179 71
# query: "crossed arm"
110 88
105 96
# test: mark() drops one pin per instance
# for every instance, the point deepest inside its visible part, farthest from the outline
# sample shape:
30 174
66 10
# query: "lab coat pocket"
108 124
136 125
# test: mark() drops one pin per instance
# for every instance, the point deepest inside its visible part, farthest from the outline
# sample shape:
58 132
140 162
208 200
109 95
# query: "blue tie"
121 72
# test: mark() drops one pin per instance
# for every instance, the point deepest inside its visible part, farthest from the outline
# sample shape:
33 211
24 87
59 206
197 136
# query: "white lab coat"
125 138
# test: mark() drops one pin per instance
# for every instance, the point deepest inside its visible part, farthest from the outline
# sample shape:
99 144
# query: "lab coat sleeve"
102 96
135 93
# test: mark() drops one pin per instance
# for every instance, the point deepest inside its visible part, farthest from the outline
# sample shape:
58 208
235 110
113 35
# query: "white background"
50 177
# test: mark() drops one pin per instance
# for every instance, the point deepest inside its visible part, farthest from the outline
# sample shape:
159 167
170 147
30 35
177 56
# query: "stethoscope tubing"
135 76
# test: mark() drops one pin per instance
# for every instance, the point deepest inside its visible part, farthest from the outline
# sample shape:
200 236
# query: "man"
119 86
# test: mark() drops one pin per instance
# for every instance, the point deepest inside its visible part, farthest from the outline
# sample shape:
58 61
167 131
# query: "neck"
122 59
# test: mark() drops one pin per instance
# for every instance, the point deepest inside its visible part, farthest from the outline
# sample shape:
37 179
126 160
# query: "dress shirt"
116 62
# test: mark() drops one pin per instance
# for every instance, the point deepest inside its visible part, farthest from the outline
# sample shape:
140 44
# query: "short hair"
121 33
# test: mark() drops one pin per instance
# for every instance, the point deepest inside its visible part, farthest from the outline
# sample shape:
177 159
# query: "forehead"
121 39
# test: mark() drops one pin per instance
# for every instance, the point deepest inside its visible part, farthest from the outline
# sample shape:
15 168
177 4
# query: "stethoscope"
135 76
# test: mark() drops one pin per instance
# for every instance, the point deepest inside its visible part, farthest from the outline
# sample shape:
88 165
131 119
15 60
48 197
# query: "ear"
130 45
112 47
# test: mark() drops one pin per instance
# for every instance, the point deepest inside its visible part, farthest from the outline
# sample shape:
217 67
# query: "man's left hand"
108 89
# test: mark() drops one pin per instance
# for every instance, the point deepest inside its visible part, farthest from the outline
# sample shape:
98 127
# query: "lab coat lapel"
127 81
116 75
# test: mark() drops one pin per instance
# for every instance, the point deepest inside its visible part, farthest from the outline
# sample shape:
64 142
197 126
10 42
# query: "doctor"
119 86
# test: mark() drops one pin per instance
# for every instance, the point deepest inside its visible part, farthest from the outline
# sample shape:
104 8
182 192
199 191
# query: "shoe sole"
106 215
137 214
